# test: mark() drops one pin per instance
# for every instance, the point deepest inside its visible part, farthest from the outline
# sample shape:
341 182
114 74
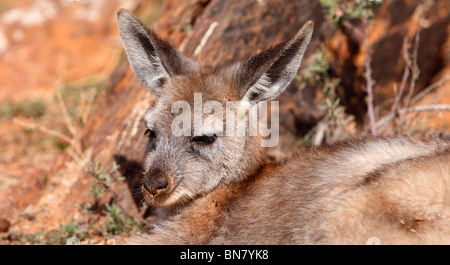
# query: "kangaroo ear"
153 60
267 74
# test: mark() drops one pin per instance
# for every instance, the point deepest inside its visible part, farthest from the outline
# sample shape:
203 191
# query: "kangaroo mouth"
155 196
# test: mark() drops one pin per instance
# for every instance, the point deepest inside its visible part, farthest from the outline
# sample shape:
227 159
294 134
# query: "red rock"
4 225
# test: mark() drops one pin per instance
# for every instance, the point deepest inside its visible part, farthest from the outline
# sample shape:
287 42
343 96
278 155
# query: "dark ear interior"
153 60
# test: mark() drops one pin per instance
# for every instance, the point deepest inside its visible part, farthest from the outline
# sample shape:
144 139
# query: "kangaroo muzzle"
155 182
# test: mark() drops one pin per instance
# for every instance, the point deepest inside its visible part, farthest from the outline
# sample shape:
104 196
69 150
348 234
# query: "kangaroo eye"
151 139
150 133
205 139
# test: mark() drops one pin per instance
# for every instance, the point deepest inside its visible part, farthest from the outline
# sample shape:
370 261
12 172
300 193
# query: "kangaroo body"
393 189
339 194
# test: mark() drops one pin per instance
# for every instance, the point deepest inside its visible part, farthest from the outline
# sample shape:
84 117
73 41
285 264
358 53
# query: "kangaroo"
219 189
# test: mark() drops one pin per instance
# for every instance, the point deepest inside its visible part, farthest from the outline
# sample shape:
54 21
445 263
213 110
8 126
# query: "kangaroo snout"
155 182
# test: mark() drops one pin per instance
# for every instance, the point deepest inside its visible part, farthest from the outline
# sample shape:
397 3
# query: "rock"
4 225
393 21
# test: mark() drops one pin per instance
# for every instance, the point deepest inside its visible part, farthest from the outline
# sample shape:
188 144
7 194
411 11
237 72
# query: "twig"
411 65
85 105
62 70
431 107
65 113
430 88
76 157
369 82
415 70
414 66
426 5
406 71
32 125
397 101
359 35
385 120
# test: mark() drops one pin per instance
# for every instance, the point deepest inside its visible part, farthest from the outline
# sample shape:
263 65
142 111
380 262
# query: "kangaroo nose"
155 183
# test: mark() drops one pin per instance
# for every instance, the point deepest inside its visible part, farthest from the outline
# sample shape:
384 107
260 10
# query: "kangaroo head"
191 148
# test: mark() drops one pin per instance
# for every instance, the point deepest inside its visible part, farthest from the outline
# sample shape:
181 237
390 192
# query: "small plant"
317 74
305 141
339 11
116 218
32 238
347 13
33 109
27 108
69 229
333 126
317 70
36 238
55 237
79 100
104 179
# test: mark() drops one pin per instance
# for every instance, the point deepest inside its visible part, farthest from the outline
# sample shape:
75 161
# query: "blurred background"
71 142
